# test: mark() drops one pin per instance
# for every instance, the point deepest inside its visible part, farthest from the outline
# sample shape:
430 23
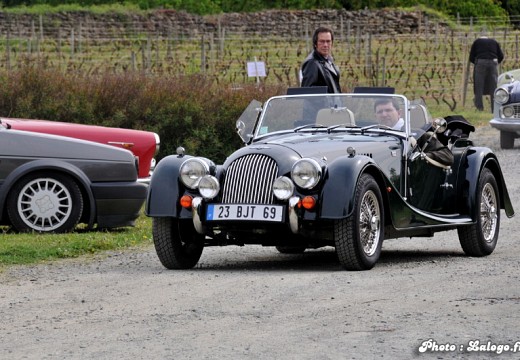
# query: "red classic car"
144 144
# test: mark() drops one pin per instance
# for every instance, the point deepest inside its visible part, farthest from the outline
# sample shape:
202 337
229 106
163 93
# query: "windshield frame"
260 130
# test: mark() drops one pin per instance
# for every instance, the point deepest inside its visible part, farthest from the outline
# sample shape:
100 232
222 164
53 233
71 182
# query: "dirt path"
254 302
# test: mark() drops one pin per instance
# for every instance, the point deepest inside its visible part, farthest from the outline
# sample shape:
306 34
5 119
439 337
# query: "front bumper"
118 204
512 125
293 219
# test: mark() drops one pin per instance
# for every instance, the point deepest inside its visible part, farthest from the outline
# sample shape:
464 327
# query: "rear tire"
507 140
480 239
359 237
177 244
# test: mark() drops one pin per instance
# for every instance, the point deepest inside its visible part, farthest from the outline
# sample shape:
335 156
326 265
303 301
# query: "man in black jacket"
485 54
318 69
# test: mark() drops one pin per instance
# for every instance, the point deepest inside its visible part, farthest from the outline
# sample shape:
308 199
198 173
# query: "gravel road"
254 302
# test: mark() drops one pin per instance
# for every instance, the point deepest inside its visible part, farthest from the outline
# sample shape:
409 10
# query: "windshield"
308 112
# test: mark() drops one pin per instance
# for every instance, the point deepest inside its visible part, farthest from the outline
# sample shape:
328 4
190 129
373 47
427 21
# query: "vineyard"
431 62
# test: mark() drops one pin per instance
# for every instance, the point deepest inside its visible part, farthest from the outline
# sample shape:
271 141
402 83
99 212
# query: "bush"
189 111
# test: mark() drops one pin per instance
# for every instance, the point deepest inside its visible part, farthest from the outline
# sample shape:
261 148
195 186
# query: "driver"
388 113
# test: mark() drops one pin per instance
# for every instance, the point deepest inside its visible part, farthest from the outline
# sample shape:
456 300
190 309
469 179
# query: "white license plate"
244 212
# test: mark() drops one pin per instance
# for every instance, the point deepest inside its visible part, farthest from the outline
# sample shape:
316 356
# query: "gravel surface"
254 302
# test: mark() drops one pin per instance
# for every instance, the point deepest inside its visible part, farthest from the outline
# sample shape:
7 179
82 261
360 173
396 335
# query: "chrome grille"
249 180
517 111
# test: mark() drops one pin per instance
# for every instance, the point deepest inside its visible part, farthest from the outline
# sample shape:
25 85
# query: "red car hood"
144 144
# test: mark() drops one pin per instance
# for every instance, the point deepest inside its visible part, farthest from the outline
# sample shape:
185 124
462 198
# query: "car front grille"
517 111
249 180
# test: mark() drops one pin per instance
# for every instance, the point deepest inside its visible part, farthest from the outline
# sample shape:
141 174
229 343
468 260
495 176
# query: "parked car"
50 183
144 144
320 170
506 108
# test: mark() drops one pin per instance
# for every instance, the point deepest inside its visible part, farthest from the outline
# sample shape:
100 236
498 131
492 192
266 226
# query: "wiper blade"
317 126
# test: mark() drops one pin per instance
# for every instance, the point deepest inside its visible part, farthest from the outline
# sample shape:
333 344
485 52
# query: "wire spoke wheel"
480 238
369 223
488 212
359 237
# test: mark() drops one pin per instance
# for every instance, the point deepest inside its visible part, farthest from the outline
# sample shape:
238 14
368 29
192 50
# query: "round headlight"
283 188
192 170
508 111
209 187
306 173
501 96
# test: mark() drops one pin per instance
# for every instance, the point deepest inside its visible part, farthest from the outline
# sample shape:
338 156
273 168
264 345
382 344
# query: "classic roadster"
321 170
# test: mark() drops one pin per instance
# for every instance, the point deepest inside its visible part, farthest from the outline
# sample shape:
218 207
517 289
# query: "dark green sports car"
340 170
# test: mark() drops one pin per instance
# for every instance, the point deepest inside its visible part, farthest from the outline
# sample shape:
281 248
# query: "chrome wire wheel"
369 223
358 238
488 212
44 204
480 238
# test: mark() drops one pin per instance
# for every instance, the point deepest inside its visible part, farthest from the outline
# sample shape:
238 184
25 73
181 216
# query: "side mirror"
240 127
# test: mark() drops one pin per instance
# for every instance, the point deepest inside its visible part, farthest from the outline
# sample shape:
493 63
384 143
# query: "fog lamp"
283 188
209 187
508 111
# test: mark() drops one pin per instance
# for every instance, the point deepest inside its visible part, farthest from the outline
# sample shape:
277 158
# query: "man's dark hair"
386 100
320 30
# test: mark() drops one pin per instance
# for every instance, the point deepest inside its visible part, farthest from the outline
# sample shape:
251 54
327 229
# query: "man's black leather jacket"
317 72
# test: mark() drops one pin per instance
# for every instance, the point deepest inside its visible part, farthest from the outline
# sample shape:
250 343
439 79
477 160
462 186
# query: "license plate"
244 212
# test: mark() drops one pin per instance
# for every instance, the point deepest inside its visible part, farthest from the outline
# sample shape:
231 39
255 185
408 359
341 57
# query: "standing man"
319 69
485 55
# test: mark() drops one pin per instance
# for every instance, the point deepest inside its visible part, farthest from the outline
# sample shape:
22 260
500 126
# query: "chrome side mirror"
240 127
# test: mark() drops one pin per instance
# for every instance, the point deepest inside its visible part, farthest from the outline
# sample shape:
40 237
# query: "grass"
24 249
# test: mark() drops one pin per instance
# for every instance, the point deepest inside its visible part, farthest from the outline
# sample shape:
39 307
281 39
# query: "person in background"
388 113
485 54
318 69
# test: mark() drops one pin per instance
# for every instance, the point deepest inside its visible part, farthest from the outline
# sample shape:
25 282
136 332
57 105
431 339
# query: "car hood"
103 134
287 149
36 145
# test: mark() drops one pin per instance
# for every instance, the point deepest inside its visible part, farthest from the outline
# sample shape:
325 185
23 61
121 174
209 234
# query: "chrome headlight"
192 170
306 173
283 188
501 96
508 111
209 187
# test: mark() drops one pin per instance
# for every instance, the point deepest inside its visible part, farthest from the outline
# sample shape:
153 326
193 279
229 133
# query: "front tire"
359 237
45 202
480 239
177 244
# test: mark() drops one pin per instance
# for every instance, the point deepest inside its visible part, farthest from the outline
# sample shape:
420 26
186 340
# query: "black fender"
340 185
165 188
49 165
477 159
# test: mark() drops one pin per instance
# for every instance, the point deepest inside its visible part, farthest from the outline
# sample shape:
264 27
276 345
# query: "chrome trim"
145 180
293 215
195 207
249 180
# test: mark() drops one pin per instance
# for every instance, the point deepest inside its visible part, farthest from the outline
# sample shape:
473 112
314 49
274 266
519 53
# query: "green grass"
23 249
